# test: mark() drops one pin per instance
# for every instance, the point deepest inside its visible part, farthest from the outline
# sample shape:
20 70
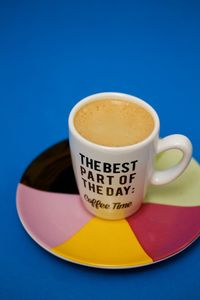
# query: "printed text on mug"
98 177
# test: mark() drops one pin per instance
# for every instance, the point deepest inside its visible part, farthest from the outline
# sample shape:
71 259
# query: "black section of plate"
52 171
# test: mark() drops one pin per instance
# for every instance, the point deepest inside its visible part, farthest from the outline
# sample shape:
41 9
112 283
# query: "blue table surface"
52 54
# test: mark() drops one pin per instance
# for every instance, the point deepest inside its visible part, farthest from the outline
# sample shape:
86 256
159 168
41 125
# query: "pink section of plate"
46 215
164 230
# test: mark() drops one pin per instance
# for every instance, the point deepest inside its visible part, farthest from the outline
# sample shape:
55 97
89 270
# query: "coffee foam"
114 123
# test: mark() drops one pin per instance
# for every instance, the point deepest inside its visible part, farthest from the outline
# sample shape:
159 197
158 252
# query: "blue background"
52 54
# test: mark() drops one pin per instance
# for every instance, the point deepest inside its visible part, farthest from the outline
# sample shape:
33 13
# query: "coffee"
113 122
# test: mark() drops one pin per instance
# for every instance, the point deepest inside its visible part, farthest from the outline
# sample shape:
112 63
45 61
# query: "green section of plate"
184 191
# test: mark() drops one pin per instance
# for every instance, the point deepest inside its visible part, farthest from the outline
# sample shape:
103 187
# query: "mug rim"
118 96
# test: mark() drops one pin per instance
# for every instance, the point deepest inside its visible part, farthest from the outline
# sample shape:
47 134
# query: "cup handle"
175 141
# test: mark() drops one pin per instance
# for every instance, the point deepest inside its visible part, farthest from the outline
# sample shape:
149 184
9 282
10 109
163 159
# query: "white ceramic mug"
127 171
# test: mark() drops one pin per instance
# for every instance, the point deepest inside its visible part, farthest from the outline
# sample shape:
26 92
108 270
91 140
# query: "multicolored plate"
51 211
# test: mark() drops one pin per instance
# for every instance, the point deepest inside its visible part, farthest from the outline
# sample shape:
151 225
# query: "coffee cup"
114 139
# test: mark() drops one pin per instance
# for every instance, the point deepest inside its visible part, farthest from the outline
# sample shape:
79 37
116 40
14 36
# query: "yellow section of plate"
184 191
104 243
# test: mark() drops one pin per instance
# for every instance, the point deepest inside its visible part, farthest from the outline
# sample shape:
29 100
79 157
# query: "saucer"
51 211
